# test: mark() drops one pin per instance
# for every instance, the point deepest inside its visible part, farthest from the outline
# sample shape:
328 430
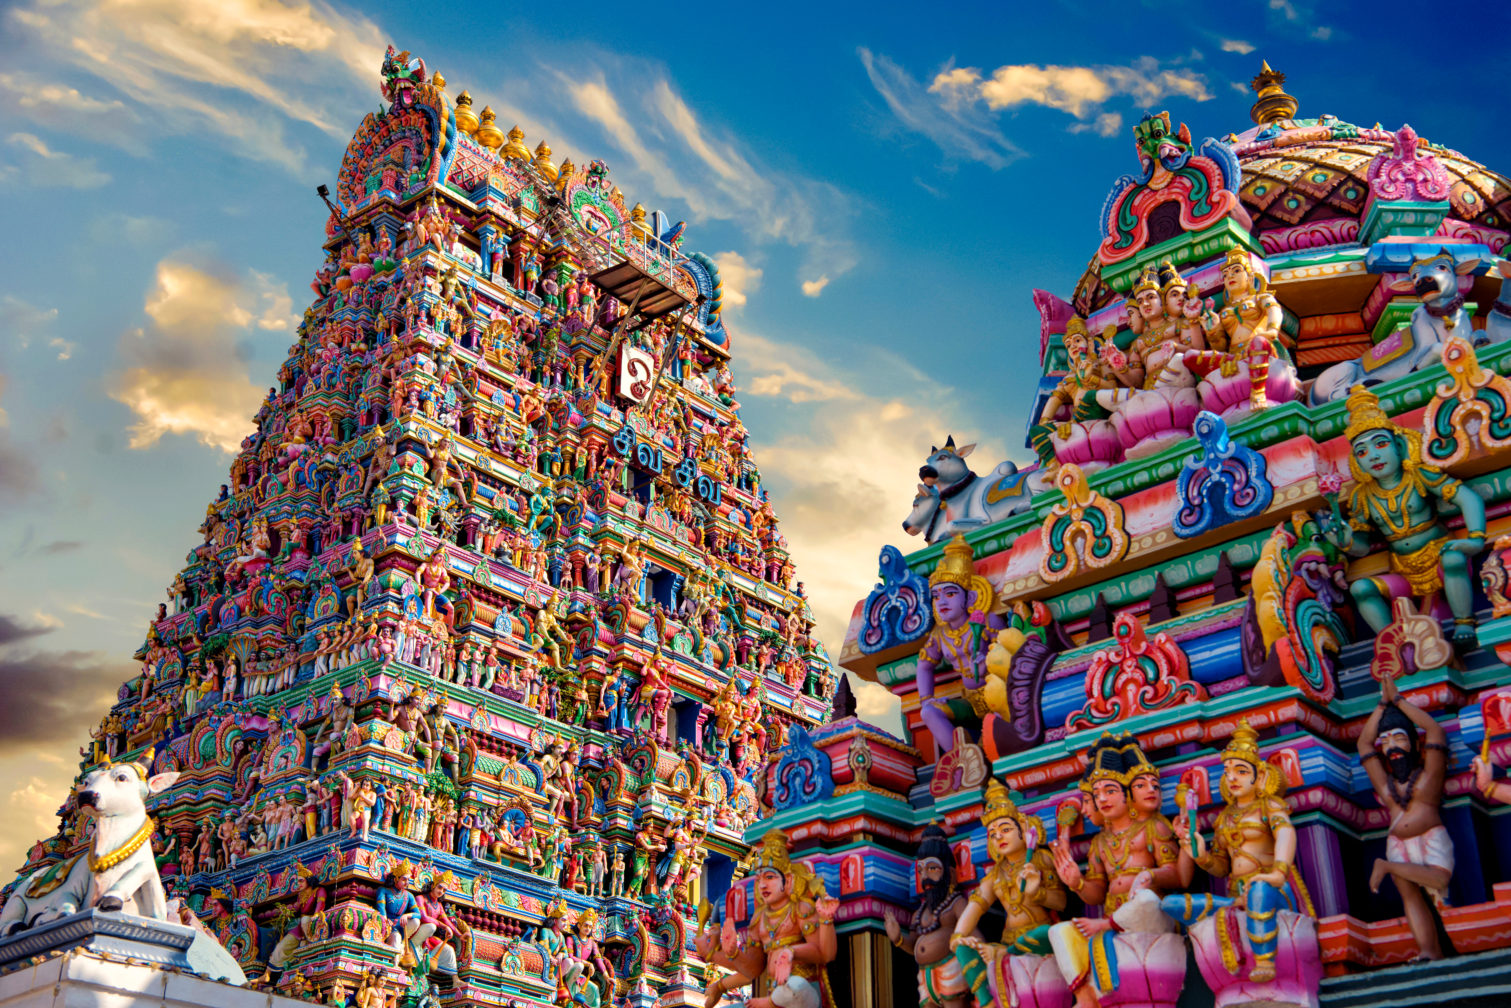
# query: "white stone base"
83 978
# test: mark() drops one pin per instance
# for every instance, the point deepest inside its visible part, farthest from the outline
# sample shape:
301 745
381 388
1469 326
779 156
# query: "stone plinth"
95 958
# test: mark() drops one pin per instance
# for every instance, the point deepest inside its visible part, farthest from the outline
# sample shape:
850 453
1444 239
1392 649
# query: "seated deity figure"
1398 496
1245 336
1072 426
963 602
1157 400
1133 860
1023 882
1253 847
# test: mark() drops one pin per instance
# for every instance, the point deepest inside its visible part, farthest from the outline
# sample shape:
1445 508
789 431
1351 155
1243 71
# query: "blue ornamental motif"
897 611
804 774
1224 484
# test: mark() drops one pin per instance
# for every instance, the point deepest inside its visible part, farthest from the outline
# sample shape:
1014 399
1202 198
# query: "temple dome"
1299 171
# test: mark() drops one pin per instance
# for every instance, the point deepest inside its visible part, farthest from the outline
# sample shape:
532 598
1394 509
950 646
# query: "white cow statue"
117 872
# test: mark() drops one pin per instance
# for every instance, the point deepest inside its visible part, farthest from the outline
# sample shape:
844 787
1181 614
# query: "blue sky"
883 185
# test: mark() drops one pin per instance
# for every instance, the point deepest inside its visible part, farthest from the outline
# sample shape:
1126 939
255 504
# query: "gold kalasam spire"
637 213
515 149
438 81
543 161
487 132
466 119
567 168
1273 103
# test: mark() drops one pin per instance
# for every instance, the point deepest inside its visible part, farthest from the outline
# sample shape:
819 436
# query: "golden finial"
543 161
466 119
1273 103
637 213
486 132
567 168
515 149
438 81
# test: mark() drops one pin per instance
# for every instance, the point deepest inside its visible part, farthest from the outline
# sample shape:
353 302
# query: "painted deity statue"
1246 332
794 917
1164 330
1254 848
963 602
1402 499
1132 861
1023 882
1071 427
941 980
1407 774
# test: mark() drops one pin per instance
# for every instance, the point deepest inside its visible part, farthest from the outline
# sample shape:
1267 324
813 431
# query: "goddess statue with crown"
793 926
963 602
1018 969
1131 955
1254 848
1402 499
1245 337
308 905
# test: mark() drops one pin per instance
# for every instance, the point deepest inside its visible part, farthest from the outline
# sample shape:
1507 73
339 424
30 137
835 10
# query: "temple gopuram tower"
474 672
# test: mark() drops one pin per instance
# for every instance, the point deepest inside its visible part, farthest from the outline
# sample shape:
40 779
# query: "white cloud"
1238 46
813 288
64 108
182 375
42 167
241 69
955 111
717 175
945 115
24 321
738 278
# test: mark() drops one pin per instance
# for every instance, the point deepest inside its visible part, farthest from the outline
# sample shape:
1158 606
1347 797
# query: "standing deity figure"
1407 775
963 602
795 916
1132 861
1400 497
1246 331
1022 880
1254 847
941 981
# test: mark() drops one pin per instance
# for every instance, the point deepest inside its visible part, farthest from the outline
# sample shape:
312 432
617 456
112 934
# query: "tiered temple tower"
493 606
1210 559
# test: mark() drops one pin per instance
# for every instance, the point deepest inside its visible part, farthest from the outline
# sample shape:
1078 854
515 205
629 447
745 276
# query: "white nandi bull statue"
117 872
1434 279
954 499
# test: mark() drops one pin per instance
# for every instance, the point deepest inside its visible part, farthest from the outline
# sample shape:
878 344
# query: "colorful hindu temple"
468 686
488 682
1205 706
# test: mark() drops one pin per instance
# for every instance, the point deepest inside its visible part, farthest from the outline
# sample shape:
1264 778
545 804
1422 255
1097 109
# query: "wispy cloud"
181 373
957 109
960 128
1238 46
36 165
679 155
241 69
738 278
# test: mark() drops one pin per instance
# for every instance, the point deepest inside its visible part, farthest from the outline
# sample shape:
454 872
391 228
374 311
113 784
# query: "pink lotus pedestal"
1298 966
1151 970
1228 397
1092 445
1153 420
1030 982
